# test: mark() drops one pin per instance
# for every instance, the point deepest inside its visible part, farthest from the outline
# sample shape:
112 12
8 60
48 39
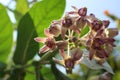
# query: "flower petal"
47 33
76 54
75 29
38 39
91 53
62 53
44 49
61 62
63 31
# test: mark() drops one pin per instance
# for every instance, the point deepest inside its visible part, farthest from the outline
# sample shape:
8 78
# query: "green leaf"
2 69
30 73
46 11
47 73
2 66
58 75
17 74
21 8
84 31
26 46
116 76
6 32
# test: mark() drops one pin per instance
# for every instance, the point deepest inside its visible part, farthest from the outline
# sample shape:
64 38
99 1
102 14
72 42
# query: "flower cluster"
73 38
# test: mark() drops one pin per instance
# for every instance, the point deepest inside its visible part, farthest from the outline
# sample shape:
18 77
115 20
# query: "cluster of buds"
65 35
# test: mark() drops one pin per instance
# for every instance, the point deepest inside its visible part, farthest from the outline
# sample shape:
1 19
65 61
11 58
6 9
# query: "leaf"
26 46
30 73
46 11
6 32
47 73
2 69
17 74
116 76
84 31
21 8
58 75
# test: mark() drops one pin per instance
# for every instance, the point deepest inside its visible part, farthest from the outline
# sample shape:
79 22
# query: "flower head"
77 32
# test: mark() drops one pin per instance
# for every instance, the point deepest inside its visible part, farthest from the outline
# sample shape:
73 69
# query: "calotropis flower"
74 33
49 42
70 60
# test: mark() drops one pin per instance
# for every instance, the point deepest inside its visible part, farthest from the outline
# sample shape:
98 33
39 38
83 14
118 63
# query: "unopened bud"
82 11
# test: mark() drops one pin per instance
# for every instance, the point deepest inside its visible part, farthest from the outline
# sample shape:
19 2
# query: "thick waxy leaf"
84 31
26 46
46 11
58 75
6 32
21 8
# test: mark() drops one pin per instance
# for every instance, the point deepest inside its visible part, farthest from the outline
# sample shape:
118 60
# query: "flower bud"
81 22
112 32
76 54
50 43
96 25
55 29
69 63
67 22
82 11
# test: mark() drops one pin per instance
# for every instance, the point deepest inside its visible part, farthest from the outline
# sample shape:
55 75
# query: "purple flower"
49 42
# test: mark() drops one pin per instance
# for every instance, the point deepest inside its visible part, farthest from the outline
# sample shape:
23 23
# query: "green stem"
37 73
45 56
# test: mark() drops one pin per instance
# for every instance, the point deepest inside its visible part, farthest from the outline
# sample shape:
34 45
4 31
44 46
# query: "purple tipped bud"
82 11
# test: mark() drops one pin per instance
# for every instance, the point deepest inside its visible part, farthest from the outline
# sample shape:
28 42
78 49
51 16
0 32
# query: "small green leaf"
46 11
84 31
26 46
58 75
6 32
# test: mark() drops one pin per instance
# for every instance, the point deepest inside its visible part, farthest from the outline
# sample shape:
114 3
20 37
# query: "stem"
37 73
45 56
68 51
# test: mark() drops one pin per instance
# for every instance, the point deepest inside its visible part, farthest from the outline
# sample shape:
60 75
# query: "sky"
94 6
